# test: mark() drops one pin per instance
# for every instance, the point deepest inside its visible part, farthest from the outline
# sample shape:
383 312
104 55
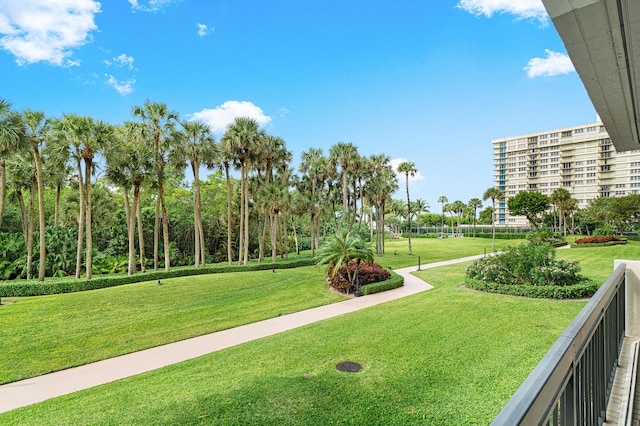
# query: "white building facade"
580 159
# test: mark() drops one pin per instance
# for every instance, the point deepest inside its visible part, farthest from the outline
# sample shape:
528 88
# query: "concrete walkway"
37 389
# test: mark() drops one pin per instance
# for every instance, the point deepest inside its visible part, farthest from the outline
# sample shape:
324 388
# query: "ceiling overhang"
602 38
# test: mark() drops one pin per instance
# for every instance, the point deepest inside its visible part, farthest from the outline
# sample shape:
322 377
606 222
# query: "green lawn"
48 333
434 250
446 356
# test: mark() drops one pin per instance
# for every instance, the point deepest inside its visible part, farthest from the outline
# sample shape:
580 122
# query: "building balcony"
589 375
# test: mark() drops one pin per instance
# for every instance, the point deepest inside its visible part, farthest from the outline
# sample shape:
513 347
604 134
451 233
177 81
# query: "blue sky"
429 81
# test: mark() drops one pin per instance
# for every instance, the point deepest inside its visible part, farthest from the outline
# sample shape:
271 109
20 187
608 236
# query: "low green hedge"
20 288
578 291
394 282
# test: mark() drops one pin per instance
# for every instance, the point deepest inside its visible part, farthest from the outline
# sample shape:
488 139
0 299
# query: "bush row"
581 290
598 239
71 285
394 282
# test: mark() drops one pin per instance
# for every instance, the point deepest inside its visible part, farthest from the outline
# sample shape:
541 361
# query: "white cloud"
401 176
122 87
204 29
221 116
554 64
151 5
522 9
121 61
45 30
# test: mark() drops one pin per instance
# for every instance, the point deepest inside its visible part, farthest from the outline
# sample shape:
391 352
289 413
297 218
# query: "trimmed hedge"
71 285
581 290
394 282
598 239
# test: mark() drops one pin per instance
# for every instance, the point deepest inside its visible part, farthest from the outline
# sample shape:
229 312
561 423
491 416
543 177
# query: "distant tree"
408 168
475 204
561 198
457 207
35 131
530 205
442 200
494 194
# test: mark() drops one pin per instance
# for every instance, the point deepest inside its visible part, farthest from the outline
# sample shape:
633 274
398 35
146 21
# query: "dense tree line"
110 195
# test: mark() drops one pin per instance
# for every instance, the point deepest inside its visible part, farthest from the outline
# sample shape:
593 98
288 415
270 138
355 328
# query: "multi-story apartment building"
580 159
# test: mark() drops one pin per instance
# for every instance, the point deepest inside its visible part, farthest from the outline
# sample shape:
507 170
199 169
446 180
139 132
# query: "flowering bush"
598 239
368 273
526 266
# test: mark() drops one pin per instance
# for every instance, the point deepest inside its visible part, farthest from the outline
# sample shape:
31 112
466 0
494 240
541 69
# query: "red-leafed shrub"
599 239
368 273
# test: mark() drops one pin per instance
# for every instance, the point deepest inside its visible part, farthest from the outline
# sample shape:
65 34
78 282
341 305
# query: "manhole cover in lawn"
348 367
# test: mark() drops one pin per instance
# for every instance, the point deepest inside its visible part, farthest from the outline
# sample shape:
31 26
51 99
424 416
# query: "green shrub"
604 230
368 273
528 270
546 237
584 289
394 282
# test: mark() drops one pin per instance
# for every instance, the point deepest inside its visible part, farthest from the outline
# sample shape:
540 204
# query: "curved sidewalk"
37 389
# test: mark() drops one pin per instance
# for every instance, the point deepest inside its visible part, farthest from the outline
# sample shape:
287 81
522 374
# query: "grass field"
49 333
446 356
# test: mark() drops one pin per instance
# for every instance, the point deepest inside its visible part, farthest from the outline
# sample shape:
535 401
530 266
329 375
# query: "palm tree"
340 250
242 139
273 198
35 128
343 154
159 122
561 198
67 139
199 147
457 207
22 175
310 165
494 194
408 168
129 164
12 141
442 200
475 204
420 206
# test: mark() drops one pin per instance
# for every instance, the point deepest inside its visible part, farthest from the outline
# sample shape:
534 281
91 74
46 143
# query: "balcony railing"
572 383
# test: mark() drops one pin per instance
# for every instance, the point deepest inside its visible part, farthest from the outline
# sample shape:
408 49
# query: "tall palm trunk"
127 208
165 228
246 218
196 212
23 214
156 236
143 266
32 195
229 250
295 235
242 207
41 225
131 227
89 235
81 219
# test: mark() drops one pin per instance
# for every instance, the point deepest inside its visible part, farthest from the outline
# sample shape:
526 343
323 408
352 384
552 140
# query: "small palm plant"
342 249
